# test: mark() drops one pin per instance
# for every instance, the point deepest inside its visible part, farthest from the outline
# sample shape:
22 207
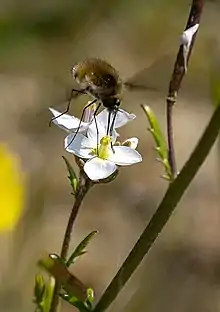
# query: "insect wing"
157 77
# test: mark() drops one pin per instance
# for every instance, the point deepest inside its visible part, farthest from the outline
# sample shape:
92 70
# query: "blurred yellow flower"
11 189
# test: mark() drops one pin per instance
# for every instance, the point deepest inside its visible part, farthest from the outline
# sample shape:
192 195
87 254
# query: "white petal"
67 122
97 168
122 117
102 117
95 130
89 112
132 143
124 155
186 39
78 146
114 136
92 133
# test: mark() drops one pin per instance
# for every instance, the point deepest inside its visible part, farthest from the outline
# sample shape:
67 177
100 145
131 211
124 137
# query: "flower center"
104 149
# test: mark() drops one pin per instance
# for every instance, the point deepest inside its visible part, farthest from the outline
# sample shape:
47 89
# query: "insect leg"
97 129
83 112
109 121
77 93
112 124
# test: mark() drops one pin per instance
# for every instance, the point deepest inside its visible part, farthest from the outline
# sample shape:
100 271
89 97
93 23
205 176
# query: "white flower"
101 161
92 144
186 40
71 123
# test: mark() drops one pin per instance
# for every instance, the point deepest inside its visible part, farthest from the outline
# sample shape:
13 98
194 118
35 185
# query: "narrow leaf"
48 295
72 175
39 288
80 249
161 145
80 305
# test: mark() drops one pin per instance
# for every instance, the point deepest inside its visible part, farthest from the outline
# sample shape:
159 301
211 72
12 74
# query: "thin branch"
83 187
176 79
67 237
170 138
163 213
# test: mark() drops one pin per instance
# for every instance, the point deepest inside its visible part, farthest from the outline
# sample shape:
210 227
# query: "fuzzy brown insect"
99 79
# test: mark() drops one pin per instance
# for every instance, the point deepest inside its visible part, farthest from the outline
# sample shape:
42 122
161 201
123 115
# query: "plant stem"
170 138
82 189
176 79
163 213
218 162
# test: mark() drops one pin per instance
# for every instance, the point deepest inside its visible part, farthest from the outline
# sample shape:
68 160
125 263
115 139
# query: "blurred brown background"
39 43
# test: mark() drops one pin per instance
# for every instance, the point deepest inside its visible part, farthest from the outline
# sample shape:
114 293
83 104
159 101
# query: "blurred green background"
40 41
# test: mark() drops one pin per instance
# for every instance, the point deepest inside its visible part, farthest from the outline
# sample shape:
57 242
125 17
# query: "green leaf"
39 290
161 145
48 295
56 267
72 175
80 305
80 249
43 292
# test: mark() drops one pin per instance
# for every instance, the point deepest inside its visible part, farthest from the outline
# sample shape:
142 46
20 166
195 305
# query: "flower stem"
177 77
83 187
163 213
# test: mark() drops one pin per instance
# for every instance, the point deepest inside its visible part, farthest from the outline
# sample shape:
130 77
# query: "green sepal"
80 249
72 176
161 145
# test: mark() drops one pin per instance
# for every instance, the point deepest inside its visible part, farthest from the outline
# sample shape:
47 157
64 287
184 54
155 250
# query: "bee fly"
99 79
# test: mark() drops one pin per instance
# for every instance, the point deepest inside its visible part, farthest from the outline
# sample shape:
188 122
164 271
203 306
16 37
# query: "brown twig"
176 79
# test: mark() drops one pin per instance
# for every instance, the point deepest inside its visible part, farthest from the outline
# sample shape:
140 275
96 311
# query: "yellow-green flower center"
104 149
